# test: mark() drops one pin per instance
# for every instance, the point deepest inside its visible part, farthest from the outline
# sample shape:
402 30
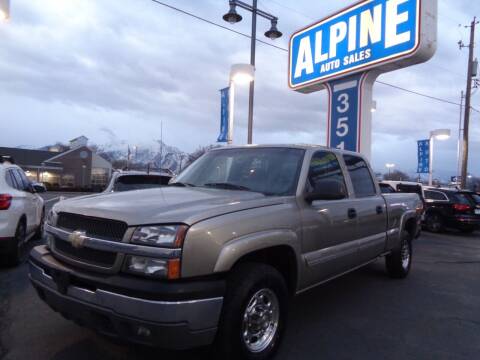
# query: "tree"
397 175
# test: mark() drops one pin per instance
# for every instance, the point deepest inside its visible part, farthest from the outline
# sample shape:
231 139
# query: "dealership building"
63 167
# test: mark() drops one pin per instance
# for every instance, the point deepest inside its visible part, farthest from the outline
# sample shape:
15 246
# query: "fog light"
146 266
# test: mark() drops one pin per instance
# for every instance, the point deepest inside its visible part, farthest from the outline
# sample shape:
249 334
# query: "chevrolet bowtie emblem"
77 238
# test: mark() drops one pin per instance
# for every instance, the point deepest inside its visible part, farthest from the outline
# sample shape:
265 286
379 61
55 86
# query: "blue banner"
344 123
360 37
423 156
224 101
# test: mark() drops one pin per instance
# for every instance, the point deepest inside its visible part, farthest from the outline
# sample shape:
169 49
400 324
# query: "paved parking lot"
433 314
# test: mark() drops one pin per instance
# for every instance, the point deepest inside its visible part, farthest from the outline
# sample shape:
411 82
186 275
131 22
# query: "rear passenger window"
435 195
18 180
10 181
362 181
324 165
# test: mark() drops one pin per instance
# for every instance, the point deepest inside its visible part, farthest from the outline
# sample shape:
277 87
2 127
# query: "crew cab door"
370 208
328 226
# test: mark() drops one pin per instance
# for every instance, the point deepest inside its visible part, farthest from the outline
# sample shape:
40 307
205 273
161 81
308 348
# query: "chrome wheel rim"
405 254
260 320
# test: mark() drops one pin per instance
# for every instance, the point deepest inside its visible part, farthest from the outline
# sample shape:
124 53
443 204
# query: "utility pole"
459 144
468 94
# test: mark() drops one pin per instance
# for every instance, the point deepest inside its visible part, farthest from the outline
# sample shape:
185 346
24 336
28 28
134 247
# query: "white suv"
21 211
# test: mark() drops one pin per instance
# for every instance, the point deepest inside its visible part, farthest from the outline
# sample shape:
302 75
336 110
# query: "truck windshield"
271 171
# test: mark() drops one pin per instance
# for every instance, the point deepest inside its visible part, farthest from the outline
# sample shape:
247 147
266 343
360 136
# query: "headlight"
51 217
162 236
159 268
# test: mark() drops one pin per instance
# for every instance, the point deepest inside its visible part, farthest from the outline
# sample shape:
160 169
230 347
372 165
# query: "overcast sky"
113 70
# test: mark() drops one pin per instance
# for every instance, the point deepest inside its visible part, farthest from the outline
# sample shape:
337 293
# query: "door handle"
379 209
352 213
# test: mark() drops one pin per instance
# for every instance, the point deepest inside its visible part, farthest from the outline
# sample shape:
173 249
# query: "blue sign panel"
423 156
355 39
224 100
344 124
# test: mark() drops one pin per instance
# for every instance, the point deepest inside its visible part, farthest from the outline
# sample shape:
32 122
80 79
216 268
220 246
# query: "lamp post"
439 134
4 9
389 166
233 17
239 74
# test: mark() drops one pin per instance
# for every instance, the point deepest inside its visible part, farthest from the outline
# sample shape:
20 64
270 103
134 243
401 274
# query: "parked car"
215 256
21 211
136 180
409 187
451 208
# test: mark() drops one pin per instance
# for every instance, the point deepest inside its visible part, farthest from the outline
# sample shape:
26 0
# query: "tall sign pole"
468 95
345 53
253 41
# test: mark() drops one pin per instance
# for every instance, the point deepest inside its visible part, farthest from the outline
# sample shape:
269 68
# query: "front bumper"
122 313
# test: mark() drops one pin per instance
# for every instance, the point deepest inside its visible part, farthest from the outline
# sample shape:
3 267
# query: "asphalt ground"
433 314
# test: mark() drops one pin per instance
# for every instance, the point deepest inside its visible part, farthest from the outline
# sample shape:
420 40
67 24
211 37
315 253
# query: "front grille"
88 255
94 227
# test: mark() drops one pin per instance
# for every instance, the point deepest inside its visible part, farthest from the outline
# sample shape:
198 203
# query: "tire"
250 284
399 262
39 232
15 253
434 223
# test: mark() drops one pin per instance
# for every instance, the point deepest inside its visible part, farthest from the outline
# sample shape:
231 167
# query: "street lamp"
240 74
4 9
389 166
439 134
233 17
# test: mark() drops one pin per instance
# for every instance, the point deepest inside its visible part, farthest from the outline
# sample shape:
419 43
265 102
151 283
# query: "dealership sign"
363 41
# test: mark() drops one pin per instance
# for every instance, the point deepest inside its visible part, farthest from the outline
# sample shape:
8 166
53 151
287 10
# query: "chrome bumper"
198 314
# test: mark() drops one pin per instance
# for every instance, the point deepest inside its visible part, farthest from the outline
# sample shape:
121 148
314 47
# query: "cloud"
108 71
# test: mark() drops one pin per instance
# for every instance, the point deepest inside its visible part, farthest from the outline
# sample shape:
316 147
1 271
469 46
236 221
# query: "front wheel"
398 262
254 313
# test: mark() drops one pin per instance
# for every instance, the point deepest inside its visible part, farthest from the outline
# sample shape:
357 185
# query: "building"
63 167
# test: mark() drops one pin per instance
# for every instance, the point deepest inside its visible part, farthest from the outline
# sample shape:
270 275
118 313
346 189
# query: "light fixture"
242 74
440 134
389 165
232 16
273 33
4 9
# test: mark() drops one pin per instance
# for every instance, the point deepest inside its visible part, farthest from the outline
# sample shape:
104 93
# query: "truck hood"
165 205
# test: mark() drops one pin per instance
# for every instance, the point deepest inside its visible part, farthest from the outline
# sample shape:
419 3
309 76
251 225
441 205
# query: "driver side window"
324 166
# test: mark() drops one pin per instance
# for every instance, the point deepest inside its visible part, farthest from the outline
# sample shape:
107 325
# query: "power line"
286 50
214 23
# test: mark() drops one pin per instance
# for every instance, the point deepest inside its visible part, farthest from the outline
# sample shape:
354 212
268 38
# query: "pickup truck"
215 257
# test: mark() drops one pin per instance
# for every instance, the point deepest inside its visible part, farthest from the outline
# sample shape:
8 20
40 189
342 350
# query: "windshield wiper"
227 186
181 184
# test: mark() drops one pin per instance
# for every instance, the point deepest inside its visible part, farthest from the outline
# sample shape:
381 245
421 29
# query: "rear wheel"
254 313
434 223
398 263
39 232
15 253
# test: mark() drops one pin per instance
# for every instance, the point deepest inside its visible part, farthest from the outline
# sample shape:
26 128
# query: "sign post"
347 51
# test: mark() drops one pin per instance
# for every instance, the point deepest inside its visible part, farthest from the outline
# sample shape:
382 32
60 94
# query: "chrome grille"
96 227
87 255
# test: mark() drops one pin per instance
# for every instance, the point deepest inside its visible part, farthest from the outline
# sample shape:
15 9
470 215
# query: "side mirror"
38 188
327 190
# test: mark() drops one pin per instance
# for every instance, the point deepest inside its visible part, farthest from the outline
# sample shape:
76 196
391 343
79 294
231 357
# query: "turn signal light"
173 269
5 201
462 207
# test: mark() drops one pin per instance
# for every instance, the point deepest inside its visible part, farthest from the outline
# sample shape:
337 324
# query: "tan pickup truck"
215 257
